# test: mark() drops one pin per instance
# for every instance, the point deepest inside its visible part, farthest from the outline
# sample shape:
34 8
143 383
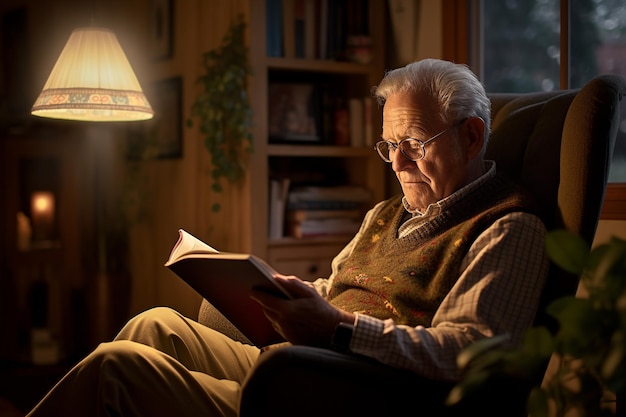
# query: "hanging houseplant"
223 110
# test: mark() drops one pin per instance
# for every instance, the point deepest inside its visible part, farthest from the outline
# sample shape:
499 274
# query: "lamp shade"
92 81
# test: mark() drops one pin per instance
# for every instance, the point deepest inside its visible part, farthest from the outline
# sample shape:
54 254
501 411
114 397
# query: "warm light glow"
42 213
92 81
42 203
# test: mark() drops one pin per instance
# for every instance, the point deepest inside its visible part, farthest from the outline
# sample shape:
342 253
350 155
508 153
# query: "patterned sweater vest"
407 278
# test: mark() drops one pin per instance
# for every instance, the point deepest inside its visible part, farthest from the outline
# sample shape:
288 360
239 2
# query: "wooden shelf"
319 151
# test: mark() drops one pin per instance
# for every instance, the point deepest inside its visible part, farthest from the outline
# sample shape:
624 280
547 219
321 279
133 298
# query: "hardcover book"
226 280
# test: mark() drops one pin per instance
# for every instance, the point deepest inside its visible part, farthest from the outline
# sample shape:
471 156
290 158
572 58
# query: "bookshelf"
321 163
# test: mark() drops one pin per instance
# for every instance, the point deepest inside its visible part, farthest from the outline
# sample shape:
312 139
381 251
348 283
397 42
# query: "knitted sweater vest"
407 278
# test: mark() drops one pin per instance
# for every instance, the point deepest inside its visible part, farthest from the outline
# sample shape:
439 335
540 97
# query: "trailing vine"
223 108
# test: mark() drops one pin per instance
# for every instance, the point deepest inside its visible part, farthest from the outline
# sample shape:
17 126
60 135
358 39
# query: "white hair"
454 87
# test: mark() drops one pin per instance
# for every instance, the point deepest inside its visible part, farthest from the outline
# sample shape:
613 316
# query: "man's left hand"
307 318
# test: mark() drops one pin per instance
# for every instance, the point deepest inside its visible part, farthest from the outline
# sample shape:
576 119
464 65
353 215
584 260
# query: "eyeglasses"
412 149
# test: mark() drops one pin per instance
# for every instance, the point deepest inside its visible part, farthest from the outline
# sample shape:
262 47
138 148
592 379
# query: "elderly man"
457 257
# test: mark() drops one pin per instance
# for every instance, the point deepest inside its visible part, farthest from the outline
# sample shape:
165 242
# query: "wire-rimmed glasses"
412 149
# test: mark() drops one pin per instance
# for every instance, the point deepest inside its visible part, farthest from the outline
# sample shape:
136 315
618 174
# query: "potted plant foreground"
589 345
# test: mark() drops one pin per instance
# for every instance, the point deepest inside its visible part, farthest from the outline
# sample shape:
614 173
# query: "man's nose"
399 162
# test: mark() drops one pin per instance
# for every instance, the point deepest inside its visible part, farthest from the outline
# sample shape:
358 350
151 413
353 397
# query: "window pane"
598 46
520 45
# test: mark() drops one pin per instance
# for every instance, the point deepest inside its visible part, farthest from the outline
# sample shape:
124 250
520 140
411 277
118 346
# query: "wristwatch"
342 336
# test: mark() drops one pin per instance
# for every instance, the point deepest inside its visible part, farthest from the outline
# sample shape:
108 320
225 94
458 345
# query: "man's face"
445 167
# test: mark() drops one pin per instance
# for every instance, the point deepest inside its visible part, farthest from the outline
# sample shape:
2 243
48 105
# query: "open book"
225 280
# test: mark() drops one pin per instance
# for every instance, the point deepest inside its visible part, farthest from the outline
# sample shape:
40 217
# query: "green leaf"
477 349
470 385
538 403
567 250
538 342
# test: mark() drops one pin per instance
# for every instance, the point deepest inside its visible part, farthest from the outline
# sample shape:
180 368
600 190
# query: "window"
542 45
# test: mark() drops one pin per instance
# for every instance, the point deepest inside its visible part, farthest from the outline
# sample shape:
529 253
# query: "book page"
187 244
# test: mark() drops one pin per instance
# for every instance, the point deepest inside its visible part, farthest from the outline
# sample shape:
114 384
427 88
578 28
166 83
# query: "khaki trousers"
160 364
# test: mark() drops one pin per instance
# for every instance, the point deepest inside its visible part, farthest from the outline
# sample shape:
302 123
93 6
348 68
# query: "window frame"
457 42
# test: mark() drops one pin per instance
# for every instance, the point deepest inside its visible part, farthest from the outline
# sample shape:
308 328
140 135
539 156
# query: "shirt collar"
439 206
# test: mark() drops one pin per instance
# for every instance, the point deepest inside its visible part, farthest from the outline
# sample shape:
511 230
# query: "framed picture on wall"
161 136
161 29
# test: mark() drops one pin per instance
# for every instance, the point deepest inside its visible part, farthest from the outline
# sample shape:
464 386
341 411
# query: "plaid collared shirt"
498 291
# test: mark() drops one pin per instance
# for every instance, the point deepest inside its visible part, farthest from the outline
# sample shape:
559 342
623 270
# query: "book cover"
226 280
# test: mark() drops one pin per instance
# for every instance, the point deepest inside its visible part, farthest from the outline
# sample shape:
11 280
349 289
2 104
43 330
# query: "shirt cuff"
366 334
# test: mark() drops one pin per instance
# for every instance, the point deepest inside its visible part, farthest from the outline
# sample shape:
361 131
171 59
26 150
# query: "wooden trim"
455 31
614 207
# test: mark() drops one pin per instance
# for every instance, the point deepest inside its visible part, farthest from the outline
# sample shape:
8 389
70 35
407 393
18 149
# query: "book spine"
341 123
274 27
357 134
310 28
299 22
323 29
277 207
368 126
289 34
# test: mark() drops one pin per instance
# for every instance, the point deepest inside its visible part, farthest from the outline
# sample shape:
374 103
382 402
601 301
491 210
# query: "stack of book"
325 211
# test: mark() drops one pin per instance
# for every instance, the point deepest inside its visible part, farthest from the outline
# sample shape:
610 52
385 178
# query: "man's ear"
474 130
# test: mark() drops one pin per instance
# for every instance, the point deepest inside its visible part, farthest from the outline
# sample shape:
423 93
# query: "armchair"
557 144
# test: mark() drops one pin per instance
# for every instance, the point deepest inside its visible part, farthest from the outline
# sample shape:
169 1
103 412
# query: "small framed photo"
161 28
294 113
161 136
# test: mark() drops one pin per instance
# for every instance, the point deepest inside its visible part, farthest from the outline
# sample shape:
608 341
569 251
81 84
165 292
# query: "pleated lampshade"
92 81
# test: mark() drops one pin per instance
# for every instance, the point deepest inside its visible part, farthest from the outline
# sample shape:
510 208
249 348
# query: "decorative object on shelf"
587 349
404 16
92 80
294 113
223 108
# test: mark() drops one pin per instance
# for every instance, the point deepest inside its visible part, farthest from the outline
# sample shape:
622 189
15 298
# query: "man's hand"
306 319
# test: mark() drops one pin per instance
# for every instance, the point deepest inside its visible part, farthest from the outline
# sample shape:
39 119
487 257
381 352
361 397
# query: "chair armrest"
308 381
